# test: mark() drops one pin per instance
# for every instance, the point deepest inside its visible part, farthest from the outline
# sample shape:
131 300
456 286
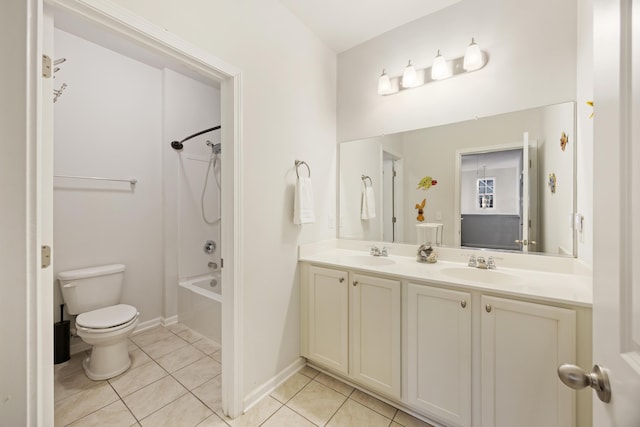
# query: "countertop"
536 284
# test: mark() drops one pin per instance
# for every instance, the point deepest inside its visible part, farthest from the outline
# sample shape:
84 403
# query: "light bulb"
384 84
439 69
473 59
409 78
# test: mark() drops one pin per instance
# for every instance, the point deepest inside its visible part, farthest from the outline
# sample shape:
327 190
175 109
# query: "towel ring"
364 177
299 163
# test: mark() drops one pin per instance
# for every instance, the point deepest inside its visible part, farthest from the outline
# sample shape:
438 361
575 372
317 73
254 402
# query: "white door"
616 302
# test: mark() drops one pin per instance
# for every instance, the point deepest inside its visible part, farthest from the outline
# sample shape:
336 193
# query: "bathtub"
200 305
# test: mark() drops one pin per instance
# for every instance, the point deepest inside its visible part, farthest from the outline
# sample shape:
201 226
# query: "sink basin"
369 260
479 275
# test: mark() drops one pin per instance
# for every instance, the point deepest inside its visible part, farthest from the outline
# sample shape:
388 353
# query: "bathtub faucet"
213 265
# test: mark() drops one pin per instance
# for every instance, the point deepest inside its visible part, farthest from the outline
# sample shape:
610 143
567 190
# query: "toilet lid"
107 317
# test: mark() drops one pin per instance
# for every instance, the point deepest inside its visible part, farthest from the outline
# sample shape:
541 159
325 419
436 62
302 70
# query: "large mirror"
505 182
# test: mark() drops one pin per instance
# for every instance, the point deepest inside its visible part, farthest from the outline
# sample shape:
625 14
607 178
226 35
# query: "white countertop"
549 286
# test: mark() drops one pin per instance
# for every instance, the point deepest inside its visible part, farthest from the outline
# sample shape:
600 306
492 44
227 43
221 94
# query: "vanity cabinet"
353 326
522 345
375 325
439 353
328 318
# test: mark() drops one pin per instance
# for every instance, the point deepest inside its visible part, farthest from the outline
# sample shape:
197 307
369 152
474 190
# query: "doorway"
117 28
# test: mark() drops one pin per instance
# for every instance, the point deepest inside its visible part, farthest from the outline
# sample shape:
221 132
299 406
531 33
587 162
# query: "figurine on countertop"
427 254
420 207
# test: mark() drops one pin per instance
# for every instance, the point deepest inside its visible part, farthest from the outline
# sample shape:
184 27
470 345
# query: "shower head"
177 145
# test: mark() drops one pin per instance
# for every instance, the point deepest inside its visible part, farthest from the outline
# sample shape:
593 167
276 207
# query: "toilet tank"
91 288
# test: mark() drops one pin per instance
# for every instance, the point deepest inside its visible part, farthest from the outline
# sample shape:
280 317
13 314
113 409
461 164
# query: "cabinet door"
328 318
439 353
522 346
375 333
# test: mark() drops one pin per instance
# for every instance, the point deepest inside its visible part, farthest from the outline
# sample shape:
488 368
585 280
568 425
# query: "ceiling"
343 24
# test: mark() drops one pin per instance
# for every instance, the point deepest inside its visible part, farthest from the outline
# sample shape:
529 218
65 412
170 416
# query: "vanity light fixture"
441 68
409 77
384 84
473 58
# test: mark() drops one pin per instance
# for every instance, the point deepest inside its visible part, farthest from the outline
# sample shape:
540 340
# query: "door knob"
576 378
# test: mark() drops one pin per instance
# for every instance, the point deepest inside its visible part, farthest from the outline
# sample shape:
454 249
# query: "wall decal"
426 183
564 140
552 182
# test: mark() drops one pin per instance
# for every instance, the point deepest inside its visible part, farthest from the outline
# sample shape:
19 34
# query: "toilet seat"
107 319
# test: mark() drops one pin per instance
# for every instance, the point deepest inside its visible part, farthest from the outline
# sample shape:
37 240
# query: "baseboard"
265 389
166 321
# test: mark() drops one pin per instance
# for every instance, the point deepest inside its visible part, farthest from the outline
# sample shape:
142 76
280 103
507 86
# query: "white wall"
108 124
288 113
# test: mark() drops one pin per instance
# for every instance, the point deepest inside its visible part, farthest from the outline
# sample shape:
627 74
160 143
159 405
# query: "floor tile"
316 402
113 415
71 384
353 414
150 336
407 420
138 358
210 393
207 346
333 383
154 396
177 327
285 417
217 356
372 403
180 358
164 346
256 415
309 371
135 379
71 366
213 421
82 404
190 336
290 387
186 411
198 373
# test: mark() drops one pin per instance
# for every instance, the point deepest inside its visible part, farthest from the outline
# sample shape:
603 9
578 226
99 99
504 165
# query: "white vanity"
457 345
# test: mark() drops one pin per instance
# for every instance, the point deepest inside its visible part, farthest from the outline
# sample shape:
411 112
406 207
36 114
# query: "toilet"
93 294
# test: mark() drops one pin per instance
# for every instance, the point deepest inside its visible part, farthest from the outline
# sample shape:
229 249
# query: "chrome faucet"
491 263
376 251
482 263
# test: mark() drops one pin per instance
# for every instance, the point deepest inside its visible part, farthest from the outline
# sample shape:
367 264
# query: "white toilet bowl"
106 330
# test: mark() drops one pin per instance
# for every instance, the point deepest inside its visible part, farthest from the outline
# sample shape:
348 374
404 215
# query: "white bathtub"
200 305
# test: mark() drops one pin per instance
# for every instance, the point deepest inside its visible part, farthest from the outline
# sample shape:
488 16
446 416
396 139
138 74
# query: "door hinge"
530 164
46 66
393 220
45 252
221 262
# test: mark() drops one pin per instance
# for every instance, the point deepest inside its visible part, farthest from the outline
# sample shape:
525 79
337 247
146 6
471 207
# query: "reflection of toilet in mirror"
429 232
93 294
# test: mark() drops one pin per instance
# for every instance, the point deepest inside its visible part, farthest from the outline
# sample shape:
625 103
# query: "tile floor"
174 380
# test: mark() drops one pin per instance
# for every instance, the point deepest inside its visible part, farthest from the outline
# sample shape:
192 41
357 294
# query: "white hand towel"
303 207
368 203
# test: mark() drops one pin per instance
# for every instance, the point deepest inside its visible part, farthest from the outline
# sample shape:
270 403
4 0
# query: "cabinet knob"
355 283
341 279
463 304
488 308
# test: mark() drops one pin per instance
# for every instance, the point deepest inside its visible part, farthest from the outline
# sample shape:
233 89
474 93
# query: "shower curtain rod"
177 145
